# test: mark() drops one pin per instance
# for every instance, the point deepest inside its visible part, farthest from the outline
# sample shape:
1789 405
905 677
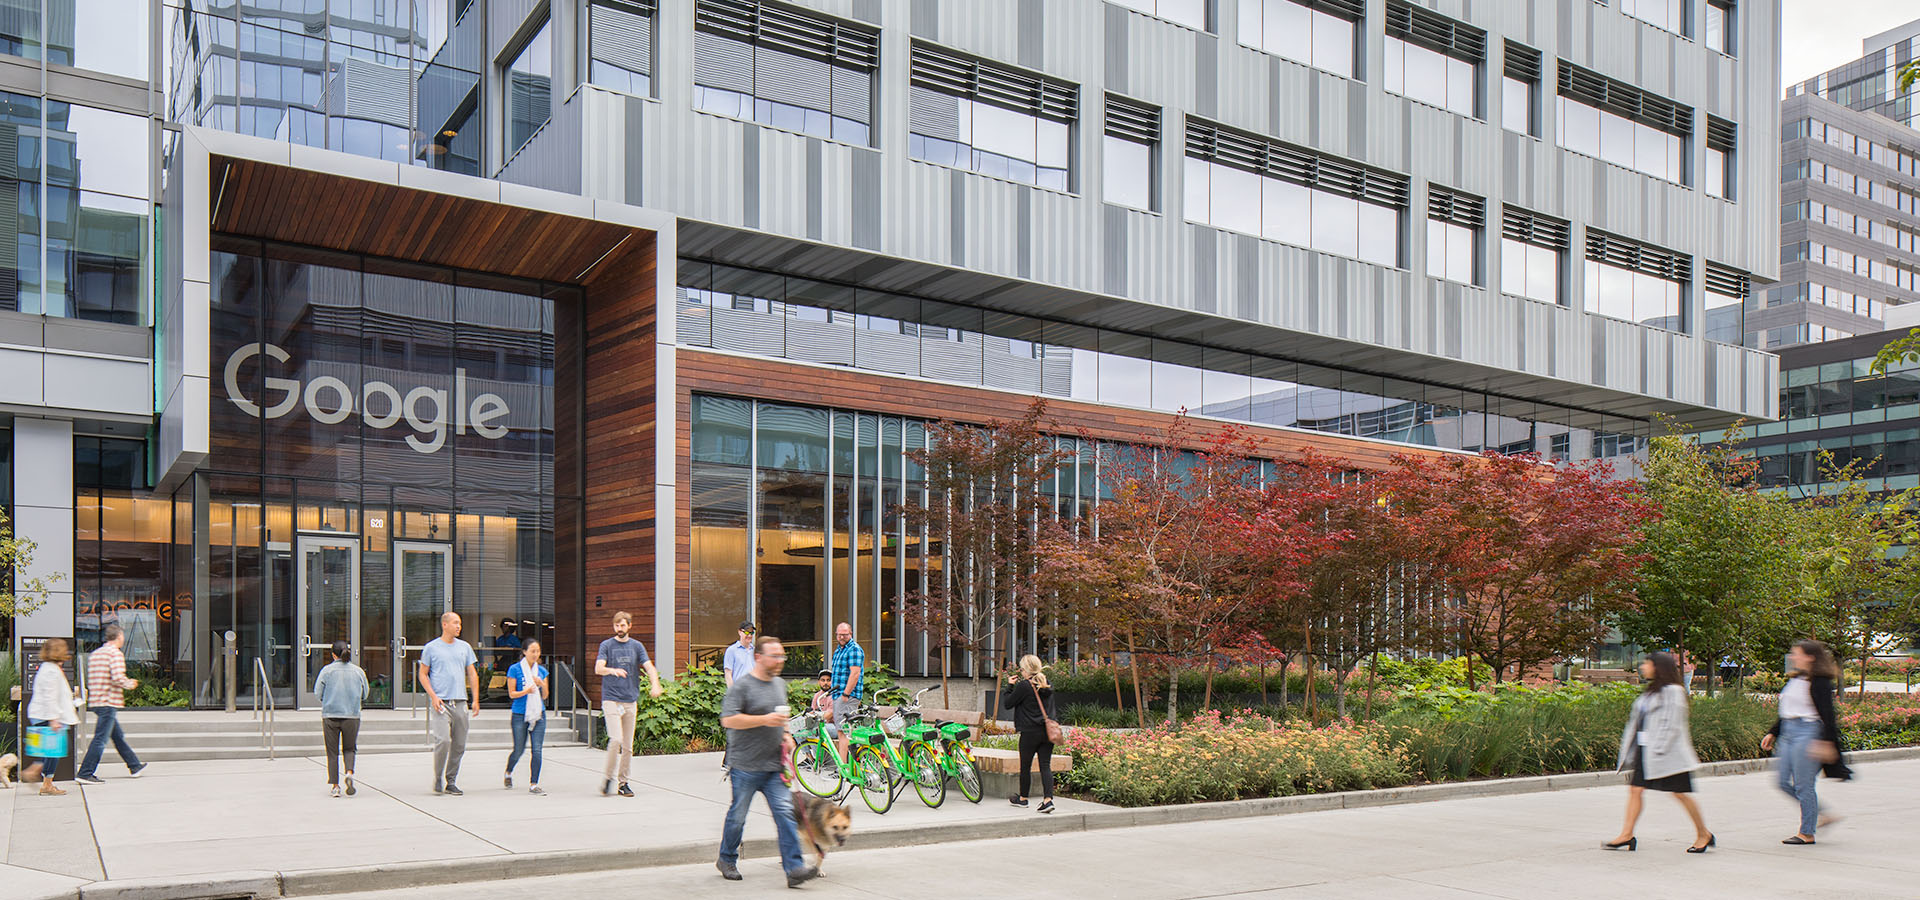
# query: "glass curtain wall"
120 560
406 406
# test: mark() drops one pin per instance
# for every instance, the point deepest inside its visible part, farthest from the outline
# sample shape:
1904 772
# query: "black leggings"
1031 743
343 738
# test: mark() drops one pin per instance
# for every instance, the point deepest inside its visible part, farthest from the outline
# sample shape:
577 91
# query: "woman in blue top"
342 687
528 688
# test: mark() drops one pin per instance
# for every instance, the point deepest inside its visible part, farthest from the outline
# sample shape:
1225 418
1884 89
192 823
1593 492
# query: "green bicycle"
823 773
916 756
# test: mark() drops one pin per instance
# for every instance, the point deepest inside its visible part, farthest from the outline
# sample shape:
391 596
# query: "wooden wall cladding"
617 439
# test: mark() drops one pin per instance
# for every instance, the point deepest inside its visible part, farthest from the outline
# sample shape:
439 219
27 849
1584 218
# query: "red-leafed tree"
1531 562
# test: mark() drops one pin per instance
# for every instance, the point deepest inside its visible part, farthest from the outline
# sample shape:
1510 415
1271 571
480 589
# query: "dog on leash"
7 762
823 824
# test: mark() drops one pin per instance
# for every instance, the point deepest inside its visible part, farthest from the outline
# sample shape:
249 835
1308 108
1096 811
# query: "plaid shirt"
845 658
107 677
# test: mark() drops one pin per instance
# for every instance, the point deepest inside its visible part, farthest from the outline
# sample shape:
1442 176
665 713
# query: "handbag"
46 741
1055 734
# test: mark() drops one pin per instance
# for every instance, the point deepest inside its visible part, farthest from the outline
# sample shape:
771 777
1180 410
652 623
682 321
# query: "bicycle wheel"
876 789
966 772
813 764
929 780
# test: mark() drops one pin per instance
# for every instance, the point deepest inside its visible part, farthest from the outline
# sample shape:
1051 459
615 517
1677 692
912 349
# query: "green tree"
19 595
1720 573
1863 598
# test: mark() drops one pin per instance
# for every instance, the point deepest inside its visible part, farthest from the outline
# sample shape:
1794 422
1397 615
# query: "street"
1525 846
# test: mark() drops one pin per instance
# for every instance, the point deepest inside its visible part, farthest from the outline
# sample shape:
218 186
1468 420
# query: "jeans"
1798 769
779 802
621 719
106 726
1032 744
522 735
343 738
449 732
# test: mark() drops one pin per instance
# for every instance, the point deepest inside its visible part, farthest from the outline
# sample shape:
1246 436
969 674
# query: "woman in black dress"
1657 747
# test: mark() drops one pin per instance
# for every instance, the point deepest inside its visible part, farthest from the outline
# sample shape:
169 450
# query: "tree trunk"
1118 703
1313 695
1206 699
1286 684
1710 671
1340 692
945 700
1866 654
1133 662
1372 670
1263 680
1469 668
1173 695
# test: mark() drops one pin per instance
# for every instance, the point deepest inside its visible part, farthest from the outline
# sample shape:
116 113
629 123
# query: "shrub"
1226 758
1421 673
1881 720
1095 715
686 717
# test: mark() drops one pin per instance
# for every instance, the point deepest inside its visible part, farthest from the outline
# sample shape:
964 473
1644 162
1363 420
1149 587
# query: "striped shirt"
107 677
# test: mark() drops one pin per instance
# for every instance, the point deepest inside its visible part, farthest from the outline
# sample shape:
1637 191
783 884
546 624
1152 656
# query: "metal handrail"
263 692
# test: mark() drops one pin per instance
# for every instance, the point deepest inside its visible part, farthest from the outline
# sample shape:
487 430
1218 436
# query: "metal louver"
1629 254
1132 120
1264 156
1456 208
1351 10
1726 281
1523 62
939 69
1534 228
1624 100
1429 29
1721 134
817 37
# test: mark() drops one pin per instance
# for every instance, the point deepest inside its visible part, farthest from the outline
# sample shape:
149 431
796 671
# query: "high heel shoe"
1703 847
1630 844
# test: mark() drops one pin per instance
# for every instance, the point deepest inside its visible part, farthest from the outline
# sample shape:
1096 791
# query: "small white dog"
7 762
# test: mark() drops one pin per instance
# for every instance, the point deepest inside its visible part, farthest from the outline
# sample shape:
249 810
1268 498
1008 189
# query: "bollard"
232 654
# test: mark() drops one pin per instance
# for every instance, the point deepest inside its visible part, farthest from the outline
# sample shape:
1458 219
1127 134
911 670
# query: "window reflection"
620 46
791 70
529 88
1292 30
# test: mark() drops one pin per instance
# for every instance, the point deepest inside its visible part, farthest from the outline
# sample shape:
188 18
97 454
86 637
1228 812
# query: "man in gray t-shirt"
755 716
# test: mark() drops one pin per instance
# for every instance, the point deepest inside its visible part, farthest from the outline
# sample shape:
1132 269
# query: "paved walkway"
1523 846
188 818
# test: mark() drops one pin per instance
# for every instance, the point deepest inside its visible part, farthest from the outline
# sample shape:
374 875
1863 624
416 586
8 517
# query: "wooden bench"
1007 762
1603 676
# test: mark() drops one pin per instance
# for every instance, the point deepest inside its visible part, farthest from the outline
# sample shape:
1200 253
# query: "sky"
1817 35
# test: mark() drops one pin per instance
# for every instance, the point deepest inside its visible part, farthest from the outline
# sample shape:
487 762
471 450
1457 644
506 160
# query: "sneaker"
89 779
335 791
728 871
439 788
536 791
508 781
454 790
606 787
135 772
1018 801
1046 806
625 791
349 784
796 879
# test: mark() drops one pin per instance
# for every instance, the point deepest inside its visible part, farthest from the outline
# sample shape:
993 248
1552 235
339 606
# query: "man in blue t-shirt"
453 686
618 664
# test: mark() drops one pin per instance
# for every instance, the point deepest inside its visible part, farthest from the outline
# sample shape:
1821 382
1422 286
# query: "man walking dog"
755 716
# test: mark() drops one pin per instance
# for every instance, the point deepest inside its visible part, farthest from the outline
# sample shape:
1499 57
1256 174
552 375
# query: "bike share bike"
925 756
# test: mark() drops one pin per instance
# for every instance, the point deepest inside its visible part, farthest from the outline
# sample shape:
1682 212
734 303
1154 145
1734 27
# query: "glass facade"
1433 78
409 416
121 557
1844 409
1620 140
1291 30
530 88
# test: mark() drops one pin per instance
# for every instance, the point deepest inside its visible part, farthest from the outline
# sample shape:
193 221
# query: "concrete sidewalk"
185 819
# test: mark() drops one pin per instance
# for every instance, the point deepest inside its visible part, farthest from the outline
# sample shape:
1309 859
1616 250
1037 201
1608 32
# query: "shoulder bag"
1055 734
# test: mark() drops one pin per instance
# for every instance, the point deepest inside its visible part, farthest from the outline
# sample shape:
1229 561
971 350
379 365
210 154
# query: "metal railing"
263 694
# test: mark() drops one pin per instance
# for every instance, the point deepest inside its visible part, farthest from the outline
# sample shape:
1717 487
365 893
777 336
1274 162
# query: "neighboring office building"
1850 203
671 356
1831 401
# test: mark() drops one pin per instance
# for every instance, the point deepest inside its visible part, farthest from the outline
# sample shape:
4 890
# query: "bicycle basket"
803 723
895 725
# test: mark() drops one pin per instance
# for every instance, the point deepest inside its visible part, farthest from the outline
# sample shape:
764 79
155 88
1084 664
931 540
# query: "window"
1727 289
1532 250
620 45
96 210
1434 59
1191 13
1668 14
530 88
1622 124
989 118
1607 445
1520 90
1258 186
1454 224
1129 176
1637 282
1718 178
793 70
1720 27
1561 447
1317 33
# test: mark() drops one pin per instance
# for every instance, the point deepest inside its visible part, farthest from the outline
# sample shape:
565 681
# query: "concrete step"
281 751
171 735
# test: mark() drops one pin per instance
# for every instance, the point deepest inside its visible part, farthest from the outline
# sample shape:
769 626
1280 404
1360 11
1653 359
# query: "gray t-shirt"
447 667
619 654
754 749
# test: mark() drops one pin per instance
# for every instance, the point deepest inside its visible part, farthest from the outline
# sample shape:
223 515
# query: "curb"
316 882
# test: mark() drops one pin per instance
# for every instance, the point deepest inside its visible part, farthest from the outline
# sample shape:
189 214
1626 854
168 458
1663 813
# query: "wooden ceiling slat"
283 204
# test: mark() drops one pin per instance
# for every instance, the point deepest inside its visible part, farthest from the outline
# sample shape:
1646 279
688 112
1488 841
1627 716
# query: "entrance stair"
167 735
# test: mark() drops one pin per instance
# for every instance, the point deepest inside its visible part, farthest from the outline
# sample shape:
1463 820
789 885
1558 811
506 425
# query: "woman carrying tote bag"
1806 737
1657 747
1026 699
50 714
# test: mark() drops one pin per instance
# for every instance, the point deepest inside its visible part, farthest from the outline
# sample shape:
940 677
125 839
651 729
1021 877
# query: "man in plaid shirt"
106 679
846 665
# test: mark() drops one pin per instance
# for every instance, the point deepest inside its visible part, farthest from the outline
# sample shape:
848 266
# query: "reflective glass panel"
529 88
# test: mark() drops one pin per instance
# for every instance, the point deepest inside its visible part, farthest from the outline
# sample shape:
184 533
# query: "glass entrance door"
422 591
327 600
